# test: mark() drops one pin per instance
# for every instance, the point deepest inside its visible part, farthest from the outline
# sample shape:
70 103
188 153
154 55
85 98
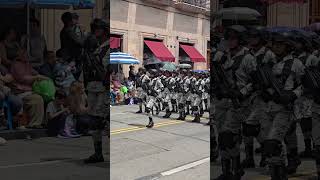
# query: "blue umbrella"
122 58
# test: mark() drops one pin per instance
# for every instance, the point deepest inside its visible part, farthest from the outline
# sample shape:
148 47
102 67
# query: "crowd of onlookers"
122 90
25 60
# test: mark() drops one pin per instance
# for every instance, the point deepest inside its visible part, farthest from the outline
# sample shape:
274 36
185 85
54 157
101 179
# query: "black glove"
287 98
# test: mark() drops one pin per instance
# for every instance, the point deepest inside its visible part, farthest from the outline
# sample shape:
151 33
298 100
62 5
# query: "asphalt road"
172 150
50 159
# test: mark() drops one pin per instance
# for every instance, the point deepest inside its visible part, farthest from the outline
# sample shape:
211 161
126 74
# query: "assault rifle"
221 82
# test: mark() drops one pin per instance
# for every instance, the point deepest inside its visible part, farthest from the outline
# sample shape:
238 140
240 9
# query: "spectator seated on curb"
13 101
24 76
57 114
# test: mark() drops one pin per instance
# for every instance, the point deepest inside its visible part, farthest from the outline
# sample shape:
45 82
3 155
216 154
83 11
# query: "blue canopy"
122 58
85 4
53 4
12 3
49 4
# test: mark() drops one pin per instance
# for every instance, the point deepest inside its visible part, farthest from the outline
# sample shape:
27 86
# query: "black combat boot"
97 156
293 161
307 153
249 161
226 170
183 116
201 112
151 124
237 168
278 172
196 119
168 114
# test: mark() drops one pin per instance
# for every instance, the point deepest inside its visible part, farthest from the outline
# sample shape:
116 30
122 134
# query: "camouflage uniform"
228 118
257 125
280 114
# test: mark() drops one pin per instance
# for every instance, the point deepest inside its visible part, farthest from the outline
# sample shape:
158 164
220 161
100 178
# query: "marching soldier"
303 105
141 93
196 89
154 87
286 76
183 89
257 125
312 90
94 76
169 96
231 104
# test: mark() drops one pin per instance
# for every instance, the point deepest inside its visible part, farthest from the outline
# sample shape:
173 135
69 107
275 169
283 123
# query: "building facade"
280 14
170 21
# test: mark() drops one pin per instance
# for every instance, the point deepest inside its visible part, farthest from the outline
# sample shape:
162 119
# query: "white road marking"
184 167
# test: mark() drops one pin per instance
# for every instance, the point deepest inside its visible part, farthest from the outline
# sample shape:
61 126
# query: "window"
314 11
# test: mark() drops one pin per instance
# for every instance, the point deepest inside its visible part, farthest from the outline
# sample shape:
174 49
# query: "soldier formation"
184 92
264 83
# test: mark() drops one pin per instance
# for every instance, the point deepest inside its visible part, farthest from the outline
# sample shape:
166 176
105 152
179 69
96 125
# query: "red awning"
193 53
160 50
114 42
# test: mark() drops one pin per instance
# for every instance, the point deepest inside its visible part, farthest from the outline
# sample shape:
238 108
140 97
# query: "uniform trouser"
181 102
167 101
189 98
303 112
205 100
152 102
196 103
98 109
228 123
282 121
316 133
142 97
258 117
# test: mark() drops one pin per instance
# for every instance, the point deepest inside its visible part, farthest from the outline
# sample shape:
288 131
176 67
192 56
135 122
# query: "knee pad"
227 140
188 102
173 101
194 108
181 105
250 130
148 110
205 101
272 147
306 124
